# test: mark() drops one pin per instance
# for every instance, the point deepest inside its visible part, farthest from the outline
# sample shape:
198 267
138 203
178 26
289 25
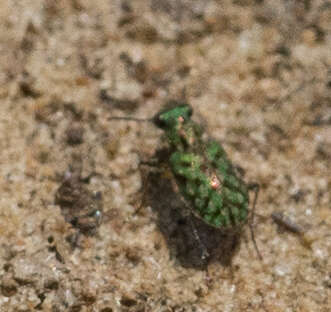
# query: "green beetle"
204 174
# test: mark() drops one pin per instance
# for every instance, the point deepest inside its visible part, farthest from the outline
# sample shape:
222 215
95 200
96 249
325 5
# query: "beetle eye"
158 121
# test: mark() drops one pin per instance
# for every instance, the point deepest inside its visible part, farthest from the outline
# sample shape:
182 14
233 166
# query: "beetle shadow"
175 224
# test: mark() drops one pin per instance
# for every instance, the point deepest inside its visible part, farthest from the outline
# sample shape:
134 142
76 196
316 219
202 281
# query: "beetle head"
174 113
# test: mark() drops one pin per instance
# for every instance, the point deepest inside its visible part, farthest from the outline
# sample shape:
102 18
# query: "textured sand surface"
257 74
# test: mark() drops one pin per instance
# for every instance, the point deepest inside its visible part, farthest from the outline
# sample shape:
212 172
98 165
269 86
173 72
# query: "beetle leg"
204 252
256 188
153 166
150 163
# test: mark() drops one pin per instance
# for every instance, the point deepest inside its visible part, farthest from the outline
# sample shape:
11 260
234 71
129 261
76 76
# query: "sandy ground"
73 234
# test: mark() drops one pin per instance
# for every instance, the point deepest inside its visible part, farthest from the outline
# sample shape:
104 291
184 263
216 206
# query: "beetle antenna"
129 118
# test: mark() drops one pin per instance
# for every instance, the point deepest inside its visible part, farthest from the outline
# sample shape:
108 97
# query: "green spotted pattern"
203 172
